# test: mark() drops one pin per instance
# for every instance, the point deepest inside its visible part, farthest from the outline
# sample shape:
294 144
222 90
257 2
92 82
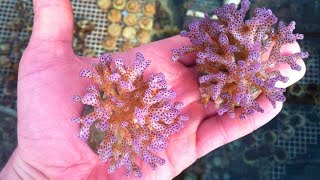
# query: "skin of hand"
48 145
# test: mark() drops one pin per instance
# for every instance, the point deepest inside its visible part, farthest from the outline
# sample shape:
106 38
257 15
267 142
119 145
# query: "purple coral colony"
229 57
138 116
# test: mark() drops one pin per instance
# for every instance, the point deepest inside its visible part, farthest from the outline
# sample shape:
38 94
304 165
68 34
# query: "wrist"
17 168
8 172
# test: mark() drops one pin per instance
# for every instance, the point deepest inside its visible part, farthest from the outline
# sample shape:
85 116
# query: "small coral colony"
137 116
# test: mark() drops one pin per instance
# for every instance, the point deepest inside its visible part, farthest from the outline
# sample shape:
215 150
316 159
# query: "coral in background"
81 29
136 116
229 57
129 23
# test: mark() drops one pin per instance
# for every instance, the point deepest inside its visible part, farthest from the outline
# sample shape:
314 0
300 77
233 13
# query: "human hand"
48 146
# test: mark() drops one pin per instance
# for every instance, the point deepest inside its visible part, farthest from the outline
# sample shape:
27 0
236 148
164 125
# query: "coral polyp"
230 60
137 116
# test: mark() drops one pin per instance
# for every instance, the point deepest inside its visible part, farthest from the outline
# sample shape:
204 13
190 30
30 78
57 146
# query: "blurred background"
286 148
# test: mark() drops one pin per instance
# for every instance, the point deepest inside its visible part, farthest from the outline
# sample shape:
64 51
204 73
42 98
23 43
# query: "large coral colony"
229 57
137 116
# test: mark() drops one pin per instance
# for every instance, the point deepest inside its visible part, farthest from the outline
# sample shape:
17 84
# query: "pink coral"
136 116
229 57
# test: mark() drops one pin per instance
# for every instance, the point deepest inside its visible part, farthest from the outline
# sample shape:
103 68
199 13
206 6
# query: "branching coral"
136 116
229 57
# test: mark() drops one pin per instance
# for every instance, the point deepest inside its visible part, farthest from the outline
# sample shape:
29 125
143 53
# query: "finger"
166 46
89 60
286 49
286 70
163 48
219 130
293 75
53 21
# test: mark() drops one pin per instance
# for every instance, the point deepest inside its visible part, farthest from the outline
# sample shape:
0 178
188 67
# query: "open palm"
49 75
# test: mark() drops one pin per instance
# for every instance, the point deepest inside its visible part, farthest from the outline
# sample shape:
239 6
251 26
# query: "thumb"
53 21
